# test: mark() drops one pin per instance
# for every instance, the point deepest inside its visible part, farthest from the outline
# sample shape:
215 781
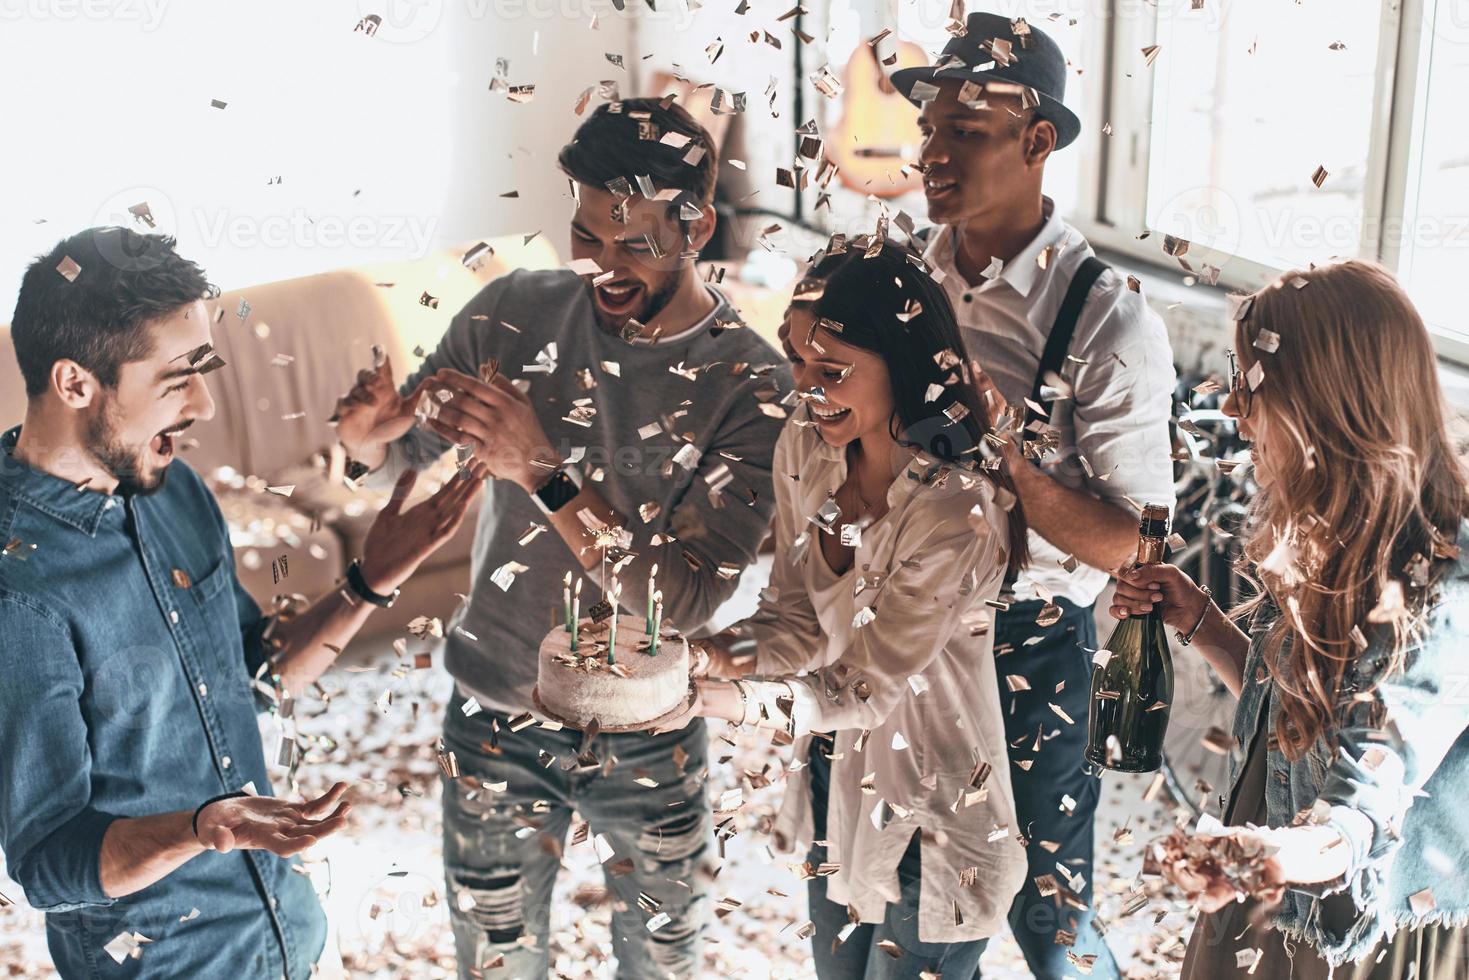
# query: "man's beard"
652 306
123 463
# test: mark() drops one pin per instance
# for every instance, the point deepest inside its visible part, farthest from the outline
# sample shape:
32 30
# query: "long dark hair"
885 301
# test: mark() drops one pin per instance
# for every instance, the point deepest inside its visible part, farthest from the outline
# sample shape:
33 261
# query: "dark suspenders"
1053 356
1058 342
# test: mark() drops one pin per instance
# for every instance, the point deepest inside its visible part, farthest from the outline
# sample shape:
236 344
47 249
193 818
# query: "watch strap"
359 588
558 491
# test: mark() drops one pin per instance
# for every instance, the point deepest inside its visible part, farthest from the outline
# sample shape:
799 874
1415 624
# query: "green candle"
651 575
657 623
566 601
575 615
612 628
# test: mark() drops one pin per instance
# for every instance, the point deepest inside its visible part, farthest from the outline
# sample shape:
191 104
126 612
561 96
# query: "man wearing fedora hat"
1059 332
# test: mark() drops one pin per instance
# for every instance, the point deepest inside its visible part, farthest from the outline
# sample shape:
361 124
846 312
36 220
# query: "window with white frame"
1261 128
1430 237
1281 134
1266 135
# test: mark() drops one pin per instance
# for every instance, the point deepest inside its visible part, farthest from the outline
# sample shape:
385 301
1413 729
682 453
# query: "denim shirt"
1397 791
127 648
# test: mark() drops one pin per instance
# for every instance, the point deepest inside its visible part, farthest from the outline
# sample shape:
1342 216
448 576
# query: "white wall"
386 146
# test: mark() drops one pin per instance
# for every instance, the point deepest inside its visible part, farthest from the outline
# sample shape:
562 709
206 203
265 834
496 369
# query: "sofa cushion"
301 343
299 346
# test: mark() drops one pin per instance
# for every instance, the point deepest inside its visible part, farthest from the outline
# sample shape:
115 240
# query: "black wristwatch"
359 588
558 491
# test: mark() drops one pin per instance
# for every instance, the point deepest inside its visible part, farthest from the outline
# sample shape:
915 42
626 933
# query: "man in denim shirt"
128 734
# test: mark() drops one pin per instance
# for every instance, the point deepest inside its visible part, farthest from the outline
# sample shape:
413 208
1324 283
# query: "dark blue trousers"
864 954
1060 657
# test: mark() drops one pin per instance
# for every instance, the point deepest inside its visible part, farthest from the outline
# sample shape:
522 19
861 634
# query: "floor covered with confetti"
384 889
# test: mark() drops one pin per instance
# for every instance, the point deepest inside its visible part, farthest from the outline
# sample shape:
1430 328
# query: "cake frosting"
579 686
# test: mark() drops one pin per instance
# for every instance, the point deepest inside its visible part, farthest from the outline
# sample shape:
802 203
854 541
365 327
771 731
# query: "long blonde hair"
1366 489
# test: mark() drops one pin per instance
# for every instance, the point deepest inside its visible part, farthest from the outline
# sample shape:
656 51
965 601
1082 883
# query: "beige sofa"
297 348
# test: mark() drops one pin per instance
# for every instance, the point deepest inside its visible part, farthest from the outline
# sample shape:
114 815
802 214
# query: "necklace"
863 503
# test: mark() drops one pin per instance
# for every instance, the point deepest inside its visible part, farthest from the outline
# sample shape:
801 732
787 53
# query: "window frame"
1111 201
1111 210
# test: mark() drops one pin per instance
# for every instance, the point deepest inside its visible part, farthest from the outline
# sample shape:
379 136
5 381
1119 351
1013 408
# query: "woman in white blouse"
894 527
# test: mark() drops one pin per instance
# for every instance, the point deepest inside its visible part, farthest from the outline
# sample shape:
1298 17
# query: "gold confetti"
1217 740
1422 902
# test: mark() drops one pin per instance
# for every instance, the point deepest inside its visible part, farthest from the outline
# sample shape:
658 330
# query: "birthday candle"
612 629
657 622
575 614
651 575
566 600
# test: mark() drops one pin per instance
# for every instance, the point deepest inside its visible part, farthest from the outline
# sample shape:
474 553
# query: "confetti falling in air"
392 856
386 743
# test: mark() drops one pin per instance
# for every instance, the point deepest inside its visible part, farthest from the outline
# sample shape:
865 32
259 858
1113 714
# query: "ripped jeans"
502 847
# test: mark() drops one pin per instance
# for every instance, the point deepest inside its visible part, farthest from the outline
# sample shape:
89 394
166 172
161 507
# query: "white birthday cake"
638 686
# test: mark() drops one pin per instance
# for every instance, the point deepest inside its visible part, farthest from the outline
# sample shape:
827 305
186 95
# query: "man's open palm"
266 823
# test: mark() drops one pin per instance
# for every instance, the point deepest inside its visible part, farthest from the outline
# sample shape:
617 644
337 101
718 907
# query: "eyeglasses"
1239 387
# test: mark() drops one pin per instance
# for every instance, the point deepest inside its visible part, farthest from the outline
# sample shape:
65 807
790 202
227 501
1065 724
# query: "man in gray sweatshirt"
622 393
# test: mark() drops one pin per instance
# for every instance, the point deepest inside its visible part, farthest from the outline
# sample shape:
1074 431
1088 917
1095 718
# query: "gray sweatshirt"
707 507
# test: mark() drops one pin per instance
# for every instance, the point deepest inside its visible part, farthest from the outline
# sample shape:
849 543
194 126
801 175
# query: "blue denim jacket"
126 652
1398 791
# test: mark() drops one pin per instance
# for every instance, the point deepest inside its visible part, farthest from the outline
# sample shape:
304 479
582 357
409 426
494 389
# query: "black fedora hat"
1029 59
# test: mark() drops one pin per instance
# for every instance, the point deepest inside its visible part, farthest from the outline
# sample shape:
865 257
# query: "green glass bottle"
1132 687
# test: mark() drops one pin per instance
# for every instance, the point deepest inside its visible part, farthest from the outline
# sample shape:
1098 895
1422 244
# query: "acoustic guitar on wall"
877 134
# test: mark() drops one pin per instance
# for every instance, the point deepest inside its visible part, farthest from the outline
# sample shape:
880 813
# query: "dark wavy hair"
624 139
887 303
99 316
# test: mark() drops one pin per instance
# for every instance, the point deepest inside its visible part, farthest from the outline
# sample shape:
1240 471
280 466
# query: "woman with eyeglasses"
895 524
1351 757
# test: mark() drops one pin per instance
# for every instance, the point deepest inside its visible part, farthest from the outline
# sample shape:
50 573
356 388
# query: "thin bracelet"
744 703
1185 639
215 799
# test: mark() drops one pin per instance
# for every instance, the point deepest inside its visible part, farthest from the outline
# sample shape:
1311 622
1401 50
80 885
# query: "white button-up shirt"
911 694
1113 427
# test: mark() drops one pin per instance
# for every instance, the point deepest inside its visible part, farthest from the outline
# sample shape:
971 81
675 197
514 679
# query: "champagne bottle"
1132 685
